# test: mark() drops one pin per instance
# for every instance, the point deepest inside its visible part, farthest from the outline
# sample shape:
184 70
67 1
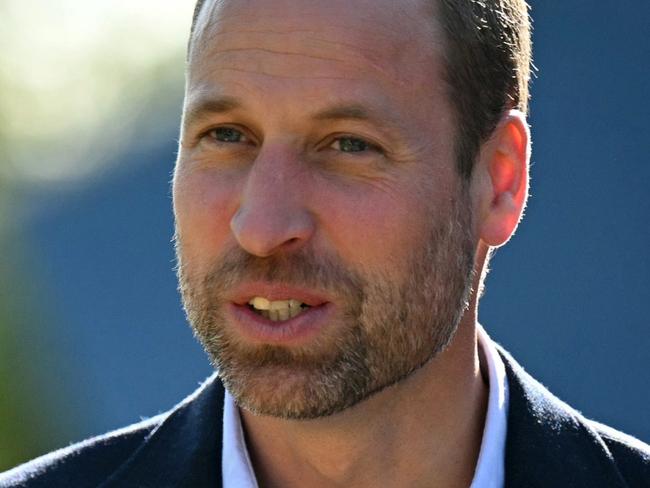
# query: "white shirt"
237 469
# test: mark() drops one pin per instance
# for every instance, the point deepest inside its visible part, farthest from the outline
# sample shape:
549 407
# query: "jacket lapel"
184 450
549 444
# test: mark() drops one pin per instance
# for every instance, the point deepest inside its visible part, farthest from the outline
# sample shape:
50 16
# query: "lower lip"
294 331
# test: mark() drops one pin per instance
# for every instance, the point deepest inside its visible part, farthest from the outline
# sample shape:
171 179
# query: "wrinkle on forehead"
381 35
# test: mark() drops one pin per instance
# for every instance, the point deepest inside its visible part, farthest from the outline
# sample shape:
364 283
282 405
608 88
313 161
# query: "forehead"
391 42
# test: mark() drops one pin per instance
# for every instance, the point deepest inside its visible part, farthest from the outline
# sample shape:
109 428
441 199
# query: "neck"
427 427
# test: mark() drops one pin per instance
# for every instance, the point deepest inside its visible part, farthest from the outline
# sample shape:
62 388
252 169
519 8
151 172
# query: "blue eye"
351 145
228 134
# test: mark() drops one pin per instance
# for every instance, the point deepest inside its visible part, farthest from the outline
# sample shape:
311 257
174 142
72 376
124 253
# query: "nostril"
292 243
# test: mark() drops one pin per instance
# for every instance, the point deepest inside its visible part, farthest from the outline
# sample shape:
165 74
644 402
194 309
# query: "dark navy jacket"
548 445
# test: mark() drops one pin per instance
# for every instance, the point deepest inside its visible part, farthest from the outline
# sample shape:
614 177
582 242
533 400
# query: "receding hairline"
198 24
198 8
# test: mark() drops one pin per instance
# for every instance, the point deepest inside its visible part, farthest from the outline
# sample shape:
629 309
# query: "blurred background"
92 335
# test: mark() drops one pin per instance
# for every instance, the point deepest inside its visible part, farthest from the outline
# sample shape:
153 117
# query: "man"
344 170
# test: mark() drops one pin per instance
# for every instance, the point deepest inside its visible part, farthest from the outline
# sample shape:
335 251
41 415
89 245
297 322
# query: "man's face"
316 176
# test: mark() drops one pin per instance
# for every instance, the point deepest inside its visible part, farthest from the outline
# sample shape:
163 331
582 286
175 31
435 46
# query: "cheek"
203 206
373 228
384 222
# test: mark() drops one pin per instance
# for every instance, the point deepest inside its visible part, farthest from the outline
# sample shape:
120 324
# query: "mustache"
301 268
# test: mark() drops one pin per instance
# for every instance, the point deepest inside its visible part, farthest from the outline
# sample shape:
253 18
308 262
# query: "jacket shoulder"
551 444
83 464
632 456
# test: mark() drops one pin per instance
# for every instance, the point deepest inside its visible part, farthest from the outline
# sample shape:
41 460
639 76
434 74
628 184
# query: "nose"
273 215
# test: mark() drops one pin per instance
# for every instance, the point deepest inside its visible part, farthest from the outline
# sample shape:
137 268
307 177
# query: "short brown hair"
487 66
488 63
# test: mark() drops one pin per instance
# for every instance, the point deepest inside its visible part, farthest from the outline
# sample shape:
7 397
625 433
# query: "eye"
228 135
351 145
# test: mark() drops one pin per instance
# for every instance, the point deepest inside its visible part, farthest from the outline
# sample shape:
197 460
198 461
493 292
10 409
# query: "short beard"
385 332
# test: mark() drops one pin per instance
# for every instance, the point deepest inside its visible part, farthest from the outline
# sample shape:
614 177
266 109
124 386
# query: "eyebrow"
206 107
354 111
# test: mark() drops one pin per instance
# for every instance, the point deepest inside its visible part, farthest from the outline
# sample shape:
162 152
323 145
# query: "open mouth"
277 310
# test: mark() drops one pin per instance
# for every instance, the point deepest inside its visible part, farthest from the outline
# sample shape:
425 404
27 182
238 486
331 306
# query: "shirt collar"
490 467
235 461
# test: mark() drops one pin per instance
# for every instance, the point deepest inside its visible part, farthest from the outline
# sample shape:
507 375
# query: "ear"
500 180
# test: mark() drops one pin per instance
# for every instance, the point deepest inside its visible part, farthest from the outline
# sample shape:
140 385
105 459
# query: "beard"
384 331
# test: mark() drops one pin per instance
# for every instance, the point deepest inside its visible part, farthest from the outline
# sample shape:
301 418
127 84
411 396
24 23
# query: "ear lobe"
504 189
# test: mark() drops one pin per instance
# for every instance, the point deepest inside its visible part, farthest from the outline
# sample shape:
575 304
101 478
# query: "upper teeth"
277 309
